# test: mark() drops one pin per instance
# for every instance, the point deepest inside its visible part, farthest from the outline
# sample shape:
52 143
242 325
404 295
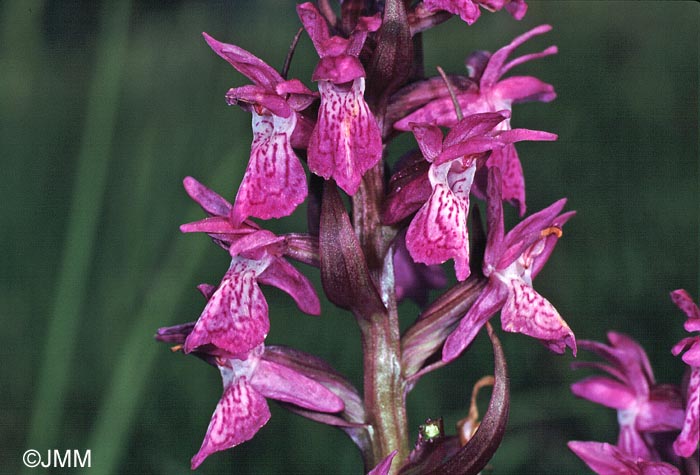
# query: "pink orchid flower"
606 459
438 232
346 141
687 442
468 10
235 318
643 407
243 410
493 94
511 262
274 183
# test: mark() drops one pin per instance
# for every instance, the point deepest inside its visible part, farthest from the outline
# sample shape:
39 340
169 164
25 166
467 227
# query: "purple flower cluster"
370 89
645 409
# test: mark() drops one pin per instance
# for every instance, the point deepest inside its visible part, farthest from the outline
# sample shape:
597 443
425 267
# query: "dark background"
106 107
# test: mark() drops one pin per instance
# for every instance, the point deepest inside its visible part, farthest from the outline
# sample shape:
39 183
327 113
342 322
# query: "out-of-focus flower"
468 10
606 459
274 183
492 94
687 442
414 280
346 141
511 262
643 407
235 318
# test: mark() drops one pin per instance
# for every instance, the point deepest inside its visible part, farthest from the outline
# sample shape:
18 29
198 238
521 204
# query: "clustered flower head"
645 409
409 216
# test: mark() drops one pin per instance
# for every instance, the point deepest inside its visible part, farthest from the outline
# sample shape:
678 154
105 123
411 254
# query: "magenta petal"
466 9
527 312
286 277
213 225
692 356
210 201
527 232
687 442
276 381
632 443
338 69
429 138
507 161
486 305
656 468
438 232
475 125
384 466
235 318
524 89
604 391
346 141
240 414
685 302
660 415
254 94
246 63
602 458
517 8
275 182
606 459
496 66
314 24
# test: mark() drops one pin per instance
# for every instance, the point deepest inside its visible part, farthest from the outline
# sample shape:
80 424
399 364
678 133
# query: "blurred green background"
106 106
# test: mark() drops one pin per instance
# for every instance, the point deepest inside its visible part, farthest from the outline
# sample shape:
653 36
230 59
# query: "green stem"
383 383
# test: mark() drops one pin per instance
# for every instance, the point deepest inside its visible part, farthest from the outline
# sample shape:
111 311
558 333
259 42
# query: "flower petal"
685 302
346 141
260 96
466 9
384 466
276 381
314 24
286 277
518 89
475 125
236 317
687 442
429 138
485 306
211 202
238 416
604 391
527 312
663 411
246 63
496 66
275 182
